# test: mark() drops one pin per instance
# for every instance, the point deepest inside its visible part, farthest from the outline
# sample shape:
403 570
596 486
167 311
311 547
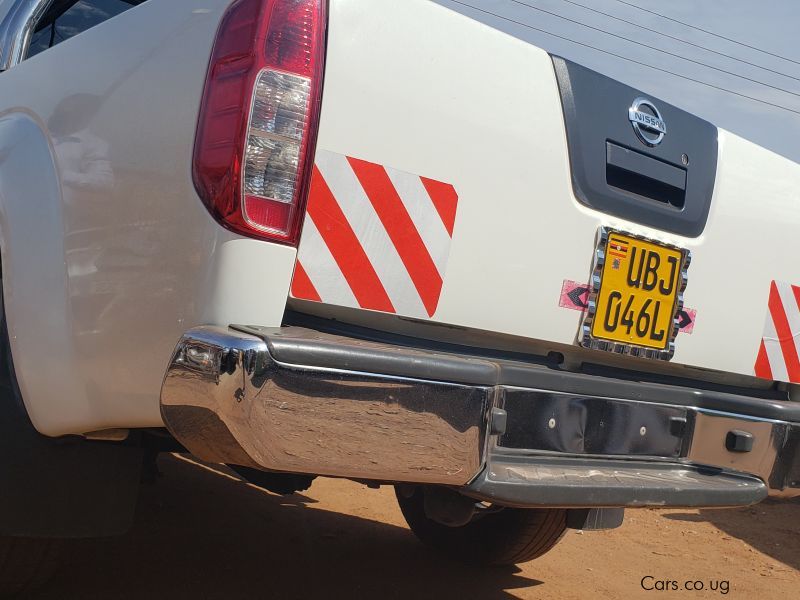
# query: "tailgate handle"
635 173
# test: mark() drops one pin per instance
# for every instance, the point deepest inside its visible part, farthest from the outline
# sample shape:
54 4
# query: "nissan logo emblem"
647 122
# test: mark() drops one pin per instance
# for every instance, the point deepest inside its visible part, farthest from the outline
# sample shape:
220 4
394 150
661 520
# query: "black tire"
26 564
506 536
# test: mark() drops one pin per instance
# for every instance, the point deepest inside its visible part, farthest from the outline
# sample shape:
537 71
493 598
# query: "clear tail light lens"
257 129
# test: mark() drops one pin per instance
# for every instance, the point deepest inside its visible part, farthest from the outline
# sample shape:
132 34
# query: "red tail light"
257 130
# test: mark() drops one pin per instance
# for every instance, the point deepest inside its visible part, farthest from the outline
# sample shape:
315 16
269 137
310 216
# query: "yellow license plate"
640 283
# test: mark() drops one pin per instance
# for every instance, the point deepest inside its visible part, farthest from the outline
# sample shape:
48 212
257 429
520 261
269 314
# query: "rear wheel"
493 536
26 563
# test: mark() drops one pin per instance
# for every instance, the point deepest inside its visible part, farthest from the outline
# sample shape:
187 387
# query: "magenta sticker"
574 295
686 318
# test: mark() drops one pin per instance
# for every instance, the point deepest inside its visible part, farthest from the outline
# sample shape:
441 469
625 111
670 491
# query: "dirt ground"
202 533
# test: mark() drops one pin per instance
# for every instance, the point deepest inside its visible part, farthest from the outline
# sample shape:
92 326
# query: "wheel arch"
35 287
95 484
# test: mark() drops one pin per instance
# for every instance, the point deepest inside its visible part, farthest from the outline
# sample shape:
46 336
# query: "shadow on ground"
201 533
772 527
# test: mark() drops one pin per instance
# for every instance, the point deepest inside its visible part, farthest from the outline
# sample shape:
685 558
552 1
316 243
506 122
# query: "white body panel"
483 112
104 269
108 254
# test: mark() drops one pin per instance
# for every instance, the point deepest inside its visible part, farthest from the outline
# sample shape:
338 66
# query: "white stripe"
774 352
423 213
791 310
369 230
322 269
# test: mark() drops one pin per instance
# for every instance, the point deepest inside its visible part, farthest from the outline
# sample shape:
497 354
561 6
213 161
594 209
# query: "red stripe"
445 199
763 369
302 286
345 247
611 253
404 235
784 334
796 292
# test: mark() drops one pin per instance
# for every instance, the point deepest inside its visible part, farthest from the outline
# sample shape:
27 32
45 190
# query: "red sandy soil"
202 533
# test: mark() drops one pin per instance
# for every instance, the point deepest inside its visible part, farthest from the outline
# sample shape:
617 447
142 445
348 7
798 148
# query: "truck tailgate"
447 190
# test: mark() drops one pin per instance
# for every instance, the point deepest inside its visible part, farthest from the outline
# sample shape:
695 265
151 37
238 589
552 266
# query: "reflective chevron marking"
778 355
574 295
374 238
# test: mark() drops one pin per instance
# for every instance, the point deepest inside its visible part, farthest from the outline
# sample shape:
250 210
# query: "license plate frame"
632 345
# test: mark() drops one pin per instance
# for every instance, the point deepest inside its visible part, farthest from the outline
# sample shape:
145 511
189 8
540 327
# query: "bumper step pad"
527 481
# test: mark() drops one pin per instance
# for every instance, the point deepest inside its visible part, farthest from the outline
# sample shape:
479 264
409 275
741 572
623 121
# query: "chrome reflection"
774 457
227 399
17 28
258 412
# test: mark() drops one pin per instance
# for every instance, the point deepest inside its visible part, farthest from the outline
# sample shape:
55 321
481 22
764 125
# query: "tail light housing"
257 129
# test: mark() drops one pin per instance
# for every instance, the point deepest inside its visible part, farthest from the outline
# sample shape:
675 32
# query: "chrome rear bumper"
297 400
227 399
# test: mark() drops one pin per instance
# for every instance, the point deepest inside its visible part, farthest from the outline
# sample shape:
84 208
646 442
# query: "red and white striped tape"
779 355
374 237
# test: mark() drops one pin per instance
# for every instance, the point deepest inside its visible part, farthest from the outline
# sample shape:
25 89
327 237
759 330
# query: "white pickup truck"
383 241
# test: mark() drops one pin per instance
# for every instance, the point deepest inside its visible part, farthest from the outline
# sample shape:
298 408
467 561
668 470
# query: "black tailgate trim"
595 113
